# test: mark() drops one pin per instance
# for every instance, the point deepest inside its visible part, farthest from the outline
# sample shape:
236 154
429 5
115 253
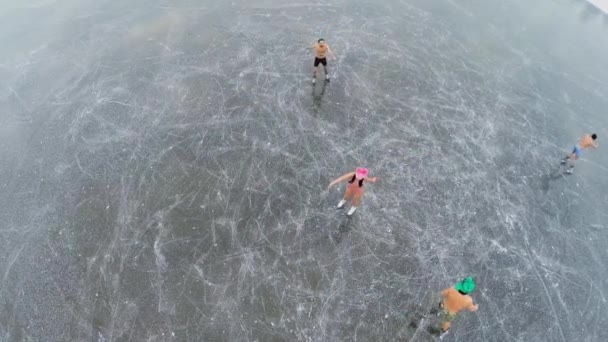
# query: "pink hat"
361 172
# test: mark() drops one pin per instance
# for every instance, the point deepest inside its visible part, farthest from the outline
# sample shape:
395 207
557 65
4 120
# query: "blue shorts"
577 151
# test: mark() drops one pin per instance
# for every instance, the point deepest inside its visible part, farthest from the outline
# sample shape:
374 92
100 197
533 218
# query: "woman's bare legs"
347 195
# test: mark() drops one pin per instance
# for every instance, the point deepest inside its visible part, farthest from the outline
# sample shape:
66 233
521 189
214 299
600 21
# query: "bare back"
586 142
454 301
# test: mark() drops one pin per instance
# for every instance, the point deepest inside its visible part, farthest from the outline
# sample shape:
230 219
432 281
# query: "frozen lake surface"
164 169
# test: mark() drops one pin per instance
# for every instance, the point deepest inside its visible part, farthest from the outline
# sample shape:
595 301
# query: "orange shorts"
353 191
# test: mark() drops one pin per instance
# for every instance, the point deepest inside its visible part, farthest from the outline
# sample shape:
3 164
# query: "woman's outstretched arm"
341 179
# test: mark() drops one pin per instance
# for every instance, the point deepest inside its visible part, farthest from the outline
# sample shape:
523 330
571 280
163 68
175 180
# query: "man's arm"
331 53
472 307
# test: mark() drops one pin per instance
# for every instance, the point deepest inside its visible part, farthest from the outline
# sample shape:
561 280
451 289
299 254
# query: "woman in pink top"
354 189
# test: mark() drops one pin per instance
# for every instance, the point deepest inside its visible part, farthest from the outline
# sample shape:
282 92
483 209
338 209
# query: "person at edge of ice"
321 50
354 189
586 141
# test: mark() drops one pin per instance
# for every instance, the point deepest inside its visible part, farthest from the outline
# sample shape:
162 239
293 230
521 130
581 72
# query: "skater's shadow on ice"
421 323
546 179
344 227
317 97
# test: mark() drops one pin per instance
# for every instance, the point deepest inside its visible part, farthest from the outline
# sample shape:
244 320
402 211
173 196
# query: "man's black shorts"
320 60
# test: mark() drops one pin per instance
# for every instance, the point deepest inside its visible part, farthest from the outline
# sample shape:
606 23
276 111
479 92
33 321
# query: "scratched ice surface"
164 165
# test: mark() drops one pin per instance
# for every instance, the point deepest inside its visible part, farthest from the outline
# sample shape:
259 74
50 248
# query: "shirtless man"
586 141
321 49
454 300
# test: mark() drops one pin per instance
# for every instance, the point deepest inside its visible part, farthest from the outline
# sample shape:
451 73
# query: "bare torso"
321 51
454 301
